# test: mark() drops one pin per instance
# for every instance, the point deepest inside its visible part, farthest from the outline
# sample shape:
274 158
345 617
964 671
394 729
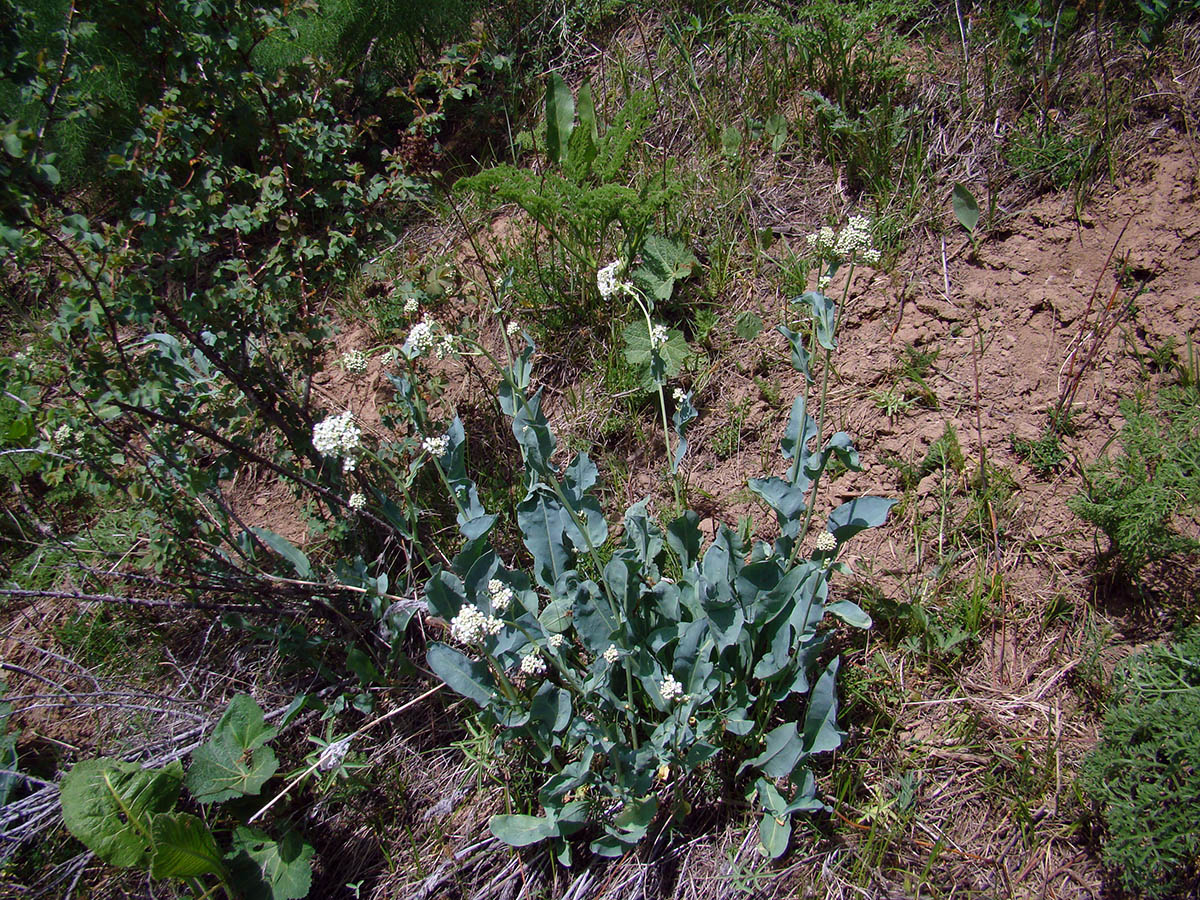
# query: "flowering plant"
626 666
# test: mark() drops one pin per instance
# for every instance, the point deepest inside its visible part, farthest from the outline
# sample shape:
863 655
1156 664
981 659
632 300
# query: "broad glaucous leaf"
858 515
466 676
820 720
800 361
518 830
966 209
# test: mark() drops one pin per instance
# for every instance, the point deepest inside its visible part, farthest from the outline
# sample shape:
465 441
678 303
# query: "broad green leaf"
586 109
850 613
286 549
774 832
109 805
665 262
966 210
824 313
684 537
465 676
777 128
731 141
560 117
266 869
748 326
858 515
638 353
521 830
821 733
683 416
184 847
782 751
234 762
787 500
541 517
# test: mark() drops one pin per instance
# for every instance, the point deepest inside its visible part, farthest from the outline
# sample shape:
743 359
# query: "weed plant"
1138 495
1143 778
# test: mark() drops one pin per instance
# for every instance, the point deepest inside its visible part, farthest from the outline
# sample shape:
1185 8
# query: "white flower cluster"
852 241
612 654
333 755
532 664
444 347
826 542
354 362
555 641
436 446
608 279
513 327
500 594
672 691
338 436
822 241
411 306
680 395
421 338
823 282
658 336
63 435
855 240
357 502
471 626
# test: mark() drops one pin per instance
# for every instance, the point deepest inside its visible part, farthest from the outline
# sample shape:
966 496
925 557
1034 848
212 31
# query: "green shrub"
1143 778
1134 496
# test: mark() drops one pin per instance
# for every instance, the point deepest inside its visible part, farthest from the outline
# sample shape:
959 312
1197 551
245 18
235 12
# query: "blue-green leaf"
858 515
465 676
286 549
824 312
850 613
783 750
518 830
821 733
799 355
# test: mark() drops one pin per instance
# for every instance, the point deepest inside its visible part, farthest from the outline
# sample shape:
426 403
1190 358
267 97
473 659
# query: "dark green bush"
1143 778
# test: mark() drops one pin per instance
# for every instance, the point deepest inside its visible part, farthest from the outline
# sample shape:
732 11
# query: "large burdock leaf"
266 869
109 805
184 847
234 762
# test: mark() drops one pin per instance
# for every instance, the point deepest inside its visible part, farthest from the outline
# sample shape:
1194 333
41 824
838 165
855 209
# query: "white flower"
555 641
607 279
680 395
421 338
612 654
333 755
348 464
854 239
471 626
822 241
672 690
826 542
354 362
823 283
436 446
63 435
532 664
357 502
500 594
444 347
658 336
337 436
513 328
411 306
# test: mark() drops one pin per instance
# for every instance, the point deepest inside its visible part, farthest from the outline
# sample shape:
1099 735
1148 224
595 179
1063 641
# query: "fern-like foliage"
1143 778
1140 496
